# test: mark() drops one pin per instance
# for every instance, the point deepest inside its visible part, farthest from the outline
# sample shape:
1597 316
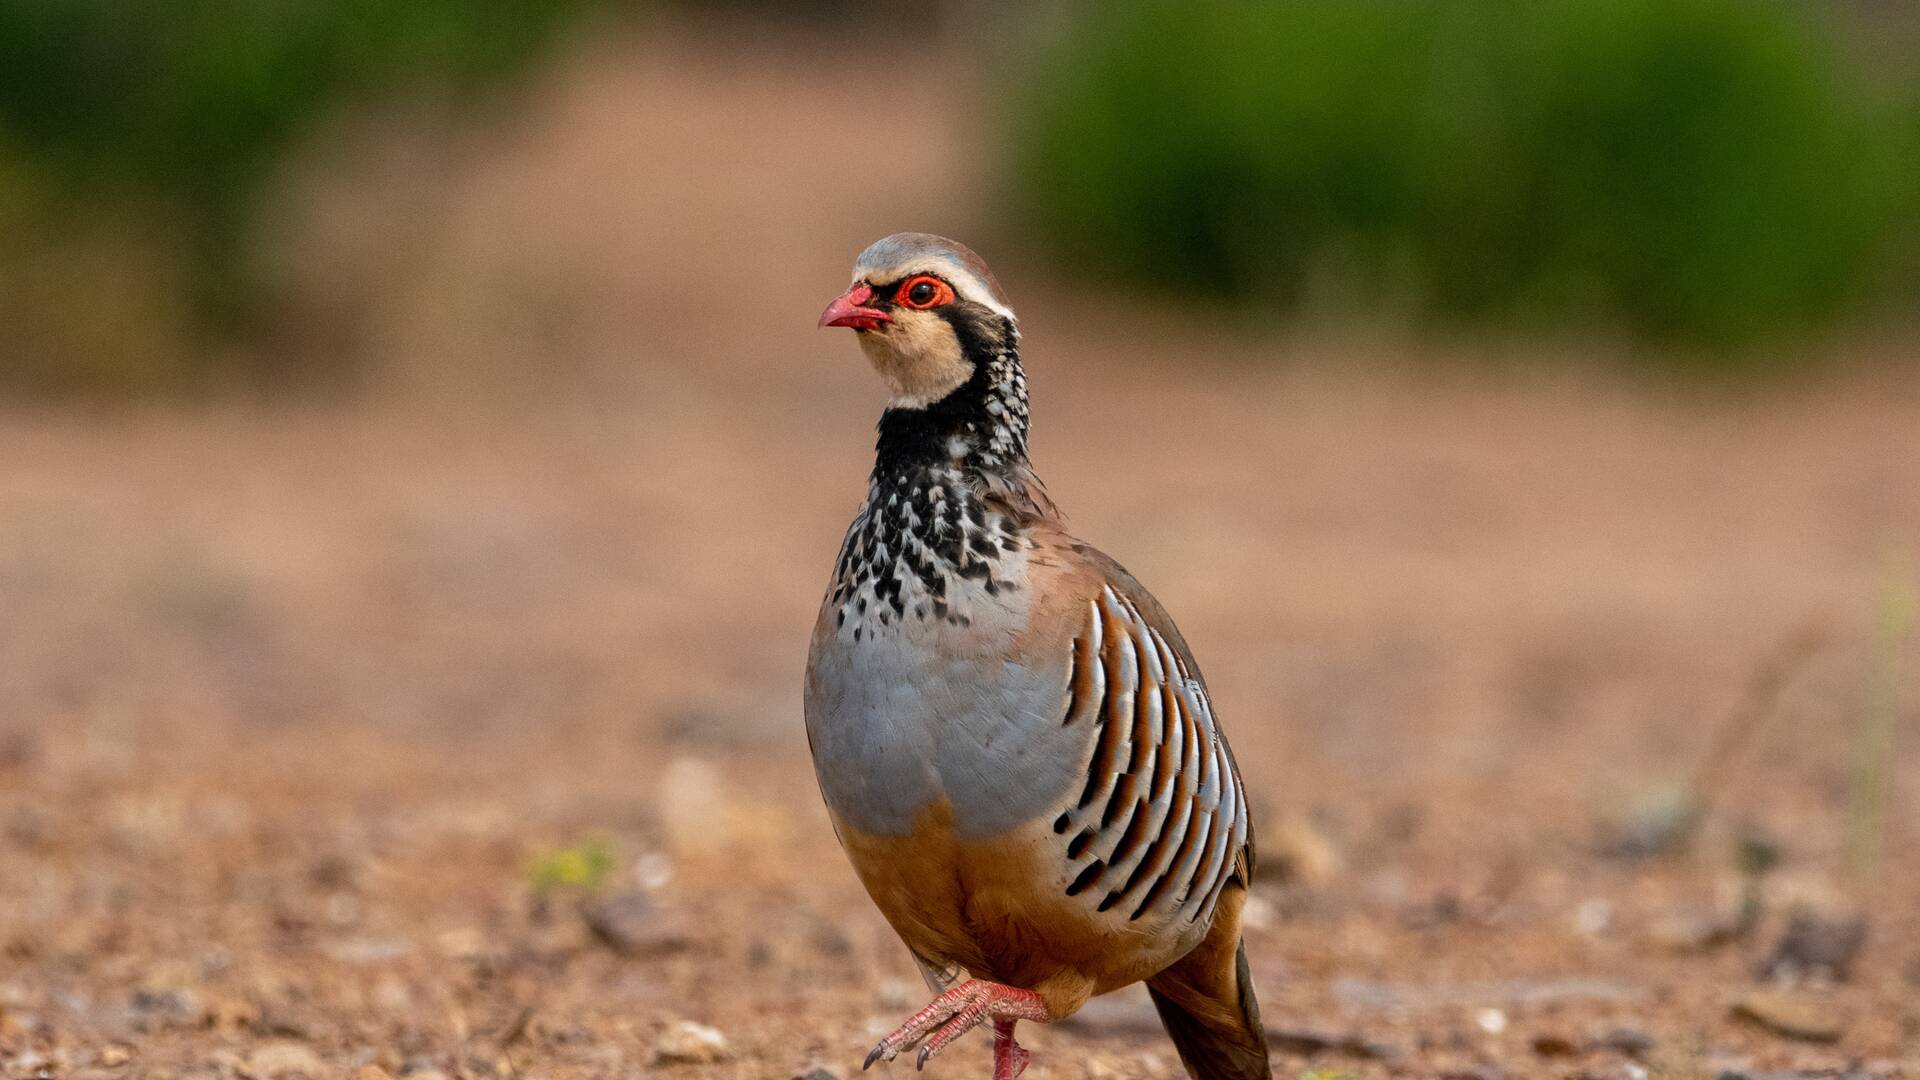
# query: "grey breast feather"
921 711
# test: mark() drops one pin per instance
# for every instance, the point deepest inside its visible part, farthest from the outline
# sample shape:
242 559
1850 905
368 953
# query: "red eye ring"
923 291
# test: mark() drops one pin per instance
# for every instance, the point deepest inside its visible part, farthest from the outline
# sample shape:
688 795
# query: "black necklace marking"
928 524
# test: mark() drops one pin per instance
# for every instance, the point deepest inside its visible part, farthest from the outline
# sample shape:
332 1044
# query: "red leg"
959 1011
1009 1058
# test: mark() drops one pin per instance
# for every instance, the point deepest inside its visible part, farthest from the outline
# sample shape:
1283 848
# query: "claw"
874 1055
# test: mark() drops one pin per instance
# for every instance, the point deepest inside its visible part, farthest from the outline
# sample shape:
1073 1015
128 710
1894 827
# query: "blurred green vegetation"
1708 177
136 137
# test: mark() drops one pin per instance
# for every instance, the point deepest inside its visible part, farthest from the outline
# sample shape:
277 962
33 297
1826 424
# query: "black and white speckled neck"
949 498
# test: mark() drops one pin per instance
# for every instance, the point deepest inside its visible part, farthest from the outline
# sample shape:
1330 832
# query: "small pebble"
1692 931
688 1043
284 1059
652 871
1817 943
157 1008
634 925
1593 916
1634 1044
1554 1046
1793 1015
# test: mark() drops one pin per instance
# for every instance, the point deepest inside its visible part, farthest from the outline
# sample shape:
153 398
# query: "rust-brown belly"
998 908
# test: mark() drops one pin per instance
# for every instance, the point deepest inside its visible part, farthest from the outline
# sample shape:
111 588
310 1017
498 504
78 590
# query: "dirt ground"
447 733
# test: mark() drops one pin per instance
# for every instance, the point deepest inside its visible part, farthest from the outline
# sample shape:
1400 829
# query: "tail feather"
1207 1004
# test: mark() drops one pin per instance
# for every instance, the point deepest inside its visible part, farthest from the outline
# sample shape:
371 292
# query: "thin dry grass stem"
1870 785
1758 704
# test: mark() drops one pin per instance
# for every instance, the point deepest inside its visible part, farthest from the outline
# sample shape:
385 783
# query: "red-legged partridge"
1014 743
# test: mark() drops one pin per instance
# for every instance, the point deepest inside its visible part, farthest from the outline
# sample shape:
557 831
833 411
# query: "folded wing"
1160 825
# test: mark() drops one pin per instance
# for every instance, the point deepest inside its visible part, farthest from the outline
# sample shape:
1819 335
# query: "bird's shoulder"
1068 574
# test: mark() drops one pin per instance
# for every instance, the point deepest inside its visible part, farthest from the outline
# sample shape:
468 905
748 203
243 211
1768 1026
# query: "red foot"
959 1011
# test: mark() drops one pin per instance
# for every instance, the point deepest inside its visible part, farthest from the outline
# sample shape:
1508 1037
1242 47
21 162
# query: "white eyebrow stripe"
971 287
964 281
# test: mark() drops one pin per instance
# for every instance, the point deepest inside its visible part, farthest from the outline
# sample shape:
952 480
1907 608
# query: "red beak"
849 309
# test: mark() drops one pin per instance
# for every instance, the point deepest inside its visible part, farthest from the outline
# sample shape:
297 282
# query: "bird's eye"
925 292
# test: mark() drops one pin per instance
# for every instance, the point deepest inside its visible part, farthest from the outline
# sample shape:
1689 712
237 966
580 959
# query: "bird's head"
927 312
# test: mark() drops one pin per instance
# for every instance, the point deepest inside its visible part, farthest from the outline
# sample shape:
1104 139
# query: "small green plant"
1705 175
584 867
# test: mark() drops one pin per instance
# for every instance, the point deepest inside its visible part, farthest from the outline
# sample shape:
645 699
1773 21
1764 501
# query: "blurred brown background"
419 471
